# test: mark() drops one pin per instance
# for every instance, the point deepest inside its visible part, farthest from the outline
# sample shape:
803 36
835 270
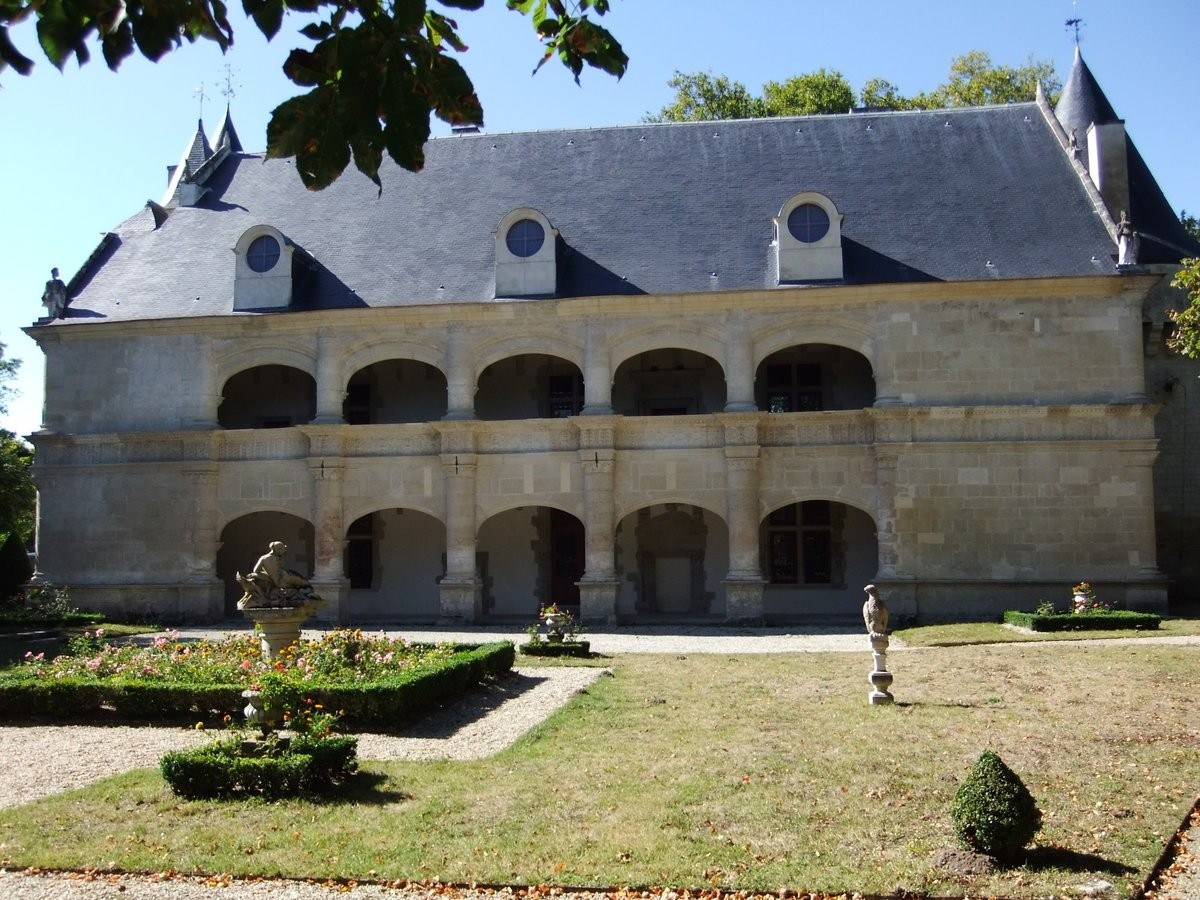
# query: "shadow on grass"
1041 858
365 788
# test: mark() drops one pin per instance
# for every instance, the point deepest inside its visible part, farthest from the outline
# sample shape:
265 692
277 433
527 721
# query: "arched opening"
529 386
394 559
394 392
671 558
669 382
530 557
245 539
268 397
816 557
814 377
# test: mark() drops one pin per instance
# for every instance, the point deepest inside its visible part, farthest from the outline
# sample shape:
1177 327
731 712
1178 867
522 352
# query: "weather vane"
199 92
1075 21
229 91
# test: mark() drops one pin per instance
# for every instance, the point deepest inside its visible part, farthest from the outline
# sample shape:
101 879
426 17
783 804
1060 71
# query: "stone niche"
670 560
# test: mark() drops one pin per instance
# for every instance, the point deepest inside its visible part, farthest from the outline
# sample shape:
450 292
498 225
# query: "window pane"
818 557
782 568
525 238
808 223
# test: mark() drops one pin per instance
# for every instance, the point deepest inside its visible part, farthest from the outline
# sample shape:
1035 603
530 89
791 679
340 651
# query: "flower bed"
380 683
1097 620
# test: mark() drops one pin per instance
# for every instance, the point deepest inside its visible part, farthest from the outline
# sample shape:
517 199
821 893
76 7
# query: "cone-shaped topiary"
15 569
993 811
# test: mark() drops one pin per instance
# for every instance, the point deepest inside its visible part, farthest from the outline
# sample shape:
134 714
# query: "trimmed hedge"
224 770
371 706
993 811
563 648
1090 621
22 619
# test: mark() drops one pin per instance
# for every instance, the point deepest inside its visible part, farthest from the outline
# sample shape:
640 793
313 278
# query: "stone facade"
1007 450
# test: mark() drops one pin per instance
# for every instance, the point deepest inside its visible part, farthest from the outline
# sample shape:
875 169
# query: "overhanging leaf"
308 128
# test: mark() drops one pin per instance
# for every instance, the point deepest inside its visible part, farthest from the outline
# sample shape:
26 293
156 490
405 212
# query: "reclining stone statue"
272 586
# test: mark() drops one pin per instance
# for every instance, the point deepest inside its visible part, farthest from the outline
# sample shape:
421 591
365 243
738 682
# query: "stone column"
460 588
204 392
207 598
899 586
1150 593
598 588
739 364
331 389
744 583
329 530
597 373
460 376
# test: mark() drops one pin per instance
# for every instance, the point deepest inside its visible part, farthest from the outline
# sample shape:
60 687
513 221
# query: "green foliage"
179 682
974 80
15 569
272 769
580 649
1190 223
1093 620
377 70
805 95
993 811
1185 338
701 97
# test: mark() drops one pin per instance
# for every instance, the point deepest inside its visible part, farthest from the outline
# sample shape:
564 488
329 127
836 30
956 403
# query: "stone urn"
555 622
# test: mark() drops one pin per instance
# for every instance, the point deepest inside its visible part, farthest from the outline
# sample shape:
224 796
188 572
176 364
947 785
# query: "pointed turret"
180 190
1118 170
226 135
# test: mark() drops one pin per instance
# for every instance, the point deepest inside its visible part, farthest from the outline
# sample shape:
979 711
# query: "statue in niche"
270 585
875 613
54 297
1128 242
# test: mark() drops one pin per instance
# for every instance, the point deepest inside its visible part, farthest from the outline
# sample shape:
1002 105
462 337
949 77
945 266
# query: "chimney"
1107 162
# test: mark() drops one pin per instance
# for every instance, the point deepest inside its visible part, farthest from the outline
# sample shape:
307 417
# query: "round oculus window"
808 223
263 253
525 238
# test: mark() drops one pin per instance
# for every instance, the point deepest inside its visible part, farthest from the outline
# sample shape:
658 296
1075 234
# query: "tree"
18 497
700 97
376 71
804 95
974 80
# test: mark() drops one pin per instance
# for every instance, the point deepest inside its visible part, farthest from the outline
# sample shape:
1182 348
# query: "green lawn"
753 772
964 633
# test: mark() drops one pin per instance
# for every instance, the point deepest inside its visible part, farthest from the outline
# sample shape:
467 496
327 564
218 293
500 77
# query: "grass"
755 772
13 646
966 633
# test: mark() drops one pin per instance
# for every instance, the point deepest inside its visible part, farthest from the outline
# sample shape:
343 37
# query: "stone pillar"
460 588
329 530
331 388
460 376
1149 593
739 365
597 373
203 541
744 583
598 588
890 578
204 392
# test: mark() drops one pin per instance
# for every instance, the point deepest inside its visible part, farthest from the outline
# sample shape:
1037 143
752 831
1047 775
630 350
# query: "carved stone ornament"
272 586
875 612
54 297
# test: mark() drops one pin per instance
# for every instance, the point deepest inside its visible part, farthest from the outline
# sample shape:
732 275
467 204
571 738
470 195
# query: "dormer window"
808 240
526 255
263 273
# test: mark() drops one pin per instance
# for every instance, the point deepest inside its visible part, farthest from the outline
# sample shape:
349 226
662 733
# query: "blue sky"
82 150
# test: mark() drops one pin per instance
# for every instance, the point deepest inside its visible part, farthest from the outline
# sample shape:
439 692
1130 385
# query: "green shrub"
993 811
1099 620
15 569
271 769
380 705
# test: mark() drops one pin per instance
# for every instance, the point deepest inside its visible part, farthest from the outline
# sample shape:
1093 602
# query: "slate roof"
949 195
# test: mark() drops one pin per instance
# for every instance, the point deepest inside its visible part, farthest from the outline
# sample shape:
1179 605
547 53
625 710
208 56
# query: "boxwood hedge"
225 770
381 705
1102 620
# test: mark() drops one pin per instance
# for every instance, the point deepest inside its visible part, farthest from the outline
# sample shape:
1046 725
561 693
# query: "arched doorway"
394 392
529 386
668 382
530 557
816 557
246 538
671 559
394 559
268 397
812 378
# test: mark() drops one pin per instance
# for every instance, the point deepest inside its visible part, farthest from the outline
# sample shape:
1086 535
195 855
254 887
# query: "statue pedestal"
278 626
880 677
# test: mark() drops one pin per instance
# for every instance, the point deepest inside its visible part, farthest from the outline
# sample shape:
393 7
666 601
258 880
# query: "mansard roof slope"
953 195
